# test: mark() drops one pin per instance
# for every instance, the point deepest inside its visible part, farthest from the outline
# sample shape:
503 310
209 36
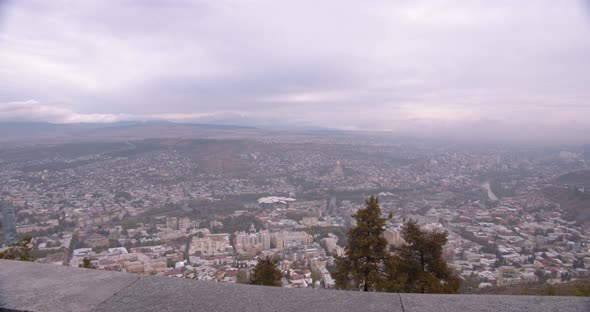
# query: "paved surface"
444 303
30 286
26 286
172 294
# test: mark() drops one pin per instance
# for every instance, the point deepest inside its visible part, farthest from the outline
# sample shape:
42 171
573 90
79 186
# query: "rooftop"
26 286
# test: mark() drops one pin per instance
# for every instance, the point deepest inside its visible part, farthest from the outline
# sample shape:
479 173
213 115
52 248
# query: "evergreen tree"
242 277
20 250
418 265
362 265
87 264
266 273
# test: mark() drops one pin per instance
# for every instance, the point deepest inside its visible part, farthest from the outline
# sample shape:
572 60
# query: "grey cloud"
32 110
410 66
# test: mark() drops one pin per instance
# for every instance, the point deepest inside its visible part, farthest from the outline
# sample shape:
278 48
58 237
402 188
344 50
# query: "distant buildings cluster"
500 233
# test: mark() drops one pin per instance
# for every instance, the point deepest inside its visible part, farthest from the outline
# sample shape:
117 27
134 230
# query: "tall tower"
338 171
331 208
265 239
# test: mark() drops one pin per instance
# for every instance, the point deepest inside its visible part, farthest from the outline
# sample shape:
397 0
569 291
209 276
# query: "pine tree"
87 264
418 265
242 277
266 273
362 265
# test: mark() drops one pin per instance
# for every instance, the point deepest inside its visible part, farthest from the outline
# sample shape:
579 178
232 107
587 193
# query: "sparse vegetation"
87 264
21 250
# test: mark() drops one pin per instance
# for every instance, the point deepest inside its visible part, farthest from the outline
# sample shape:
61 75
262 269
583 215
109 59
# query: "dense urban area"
207 208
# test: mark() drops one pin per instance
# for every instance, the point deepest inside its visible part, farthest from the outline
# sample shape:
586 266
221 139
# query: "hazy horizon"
512 71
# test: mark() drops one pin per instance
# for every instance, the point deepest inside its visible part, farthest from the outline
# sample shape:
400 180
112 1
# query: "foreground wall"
26 286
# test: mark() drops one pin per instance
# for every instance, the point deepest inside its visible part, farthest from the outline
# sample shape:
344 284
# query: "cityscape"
208 208
223 155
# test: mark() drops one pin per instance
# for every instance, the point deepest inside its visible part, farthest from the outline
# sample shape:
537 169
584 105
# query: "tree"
20 250
366 253
242 277
266 273
418 264
87 264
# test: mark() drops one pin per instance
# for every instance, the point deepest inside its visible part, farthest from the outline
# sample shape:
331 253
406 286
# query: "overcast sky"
513 69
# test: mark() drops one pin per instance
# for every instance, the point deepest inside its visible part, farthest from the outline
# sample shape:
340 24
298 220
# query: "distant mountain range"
25 133
34 127
43 132
30 127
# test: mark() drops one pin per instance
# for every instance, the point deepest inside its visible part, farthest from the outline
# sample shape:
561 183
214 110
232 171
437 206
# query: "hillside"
48 133
586 153
577 178
575 205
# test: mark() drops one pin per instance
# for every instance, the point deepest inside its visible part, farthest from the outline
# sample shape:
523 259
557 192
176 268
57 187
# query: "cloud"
382 65
32 110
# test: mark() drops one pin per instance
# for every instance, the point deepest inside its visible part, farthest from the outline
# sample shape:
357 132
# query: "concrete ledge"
26 286
443 303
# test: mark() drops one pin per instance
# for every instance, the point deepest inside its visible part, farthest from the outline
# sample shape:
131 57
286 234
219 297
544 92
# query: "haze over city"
507 71
356 148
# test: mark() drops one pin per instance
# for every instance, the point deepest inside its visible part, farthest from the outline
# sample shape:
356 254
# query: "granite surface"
44 287
26 286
